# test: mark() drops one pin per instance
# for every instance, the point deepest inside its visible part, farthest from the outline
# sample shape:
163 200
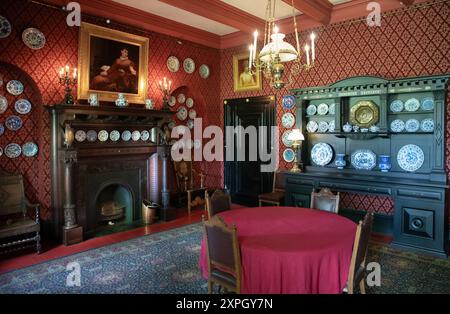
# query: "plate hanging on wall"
288 120
13 150
33 38
5 27
29 149
288 102
14 87
23 106
14 123
2 129
3 104
204 71
173 64
289 155
189 65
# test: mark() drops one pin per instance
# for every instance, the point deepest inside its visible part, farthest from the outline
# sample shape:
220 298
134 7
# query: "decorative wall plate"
23 106
397 106
1 152
29 149
189 102
172 101
322 109
103 136
288 120
14 87
181 98
182 113
288 102
323 126
364 159
321 154
2 129
410 158
427 125
312 126
412 125
13 150
13 123
5 27
136 136
192 114
190 124
311 110
189 65
91 136
126 136
285 140
288 155
80 136
173 64
412 104
33 38
204 71
427 104
332 126
145 135
3 104
364 113
397 126
332 109
114 135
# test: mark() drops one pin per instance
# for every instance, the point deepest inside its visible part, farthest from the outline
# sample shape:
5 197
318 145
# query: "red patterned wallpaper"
38 71
409 43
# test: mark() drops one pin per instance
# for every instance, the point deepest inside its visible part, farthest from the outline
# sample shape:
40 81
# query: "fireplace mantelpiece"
97 160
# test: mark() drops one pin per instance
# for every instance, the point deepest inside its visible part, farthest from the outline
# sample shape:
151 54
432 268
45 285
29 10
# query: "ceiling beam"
319 10
221 12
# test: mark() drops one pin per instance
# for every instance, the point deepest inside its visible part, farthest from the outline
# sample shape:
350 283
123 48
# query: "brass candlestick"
165 86
69 82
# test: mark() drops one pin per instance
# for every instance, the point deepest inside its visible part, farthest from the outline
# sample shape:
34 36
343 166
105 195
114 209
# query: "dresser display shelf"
420 219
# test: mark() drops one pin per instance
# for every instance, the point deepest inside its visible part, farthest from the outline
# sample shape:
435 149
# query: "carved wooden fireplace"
98 182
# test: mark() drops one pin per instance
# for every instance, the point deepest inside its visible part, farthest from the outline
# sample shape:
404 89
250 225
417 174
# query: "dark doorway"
244 179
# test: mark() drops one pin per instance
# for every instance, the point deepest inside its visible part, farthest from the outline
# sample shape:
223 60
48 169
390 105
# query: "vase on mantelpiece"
121 100
93 100
385 163
340 161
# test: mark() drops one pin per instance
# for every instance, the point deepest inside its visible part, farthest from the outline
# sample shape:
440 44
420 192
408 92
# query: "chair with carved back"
276 197
325 200
357 273
224 257
218 202
15 225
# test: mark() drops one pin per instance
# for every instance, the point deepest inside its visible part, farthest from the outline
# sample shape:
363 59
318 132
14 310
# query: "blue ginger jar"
340 161
385 163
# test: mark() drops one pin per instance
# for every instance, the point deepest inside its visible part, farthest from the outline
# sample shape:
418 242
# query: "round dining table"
290 250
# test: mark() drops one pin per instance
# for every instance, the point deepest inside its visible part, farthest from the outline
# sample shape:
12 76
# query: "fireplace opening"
114 206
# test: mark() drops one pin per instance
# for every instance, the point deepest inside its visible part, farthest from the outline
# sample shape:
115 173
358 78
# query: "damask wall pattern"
412 42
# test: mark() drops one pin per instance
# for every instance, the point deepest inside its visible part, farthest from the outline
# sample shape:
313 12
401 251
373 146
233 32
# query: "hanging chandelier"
275 52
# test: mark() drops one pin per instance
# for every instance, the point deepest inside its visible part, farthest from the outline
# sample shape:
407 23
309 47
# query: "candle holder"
165 86
69 82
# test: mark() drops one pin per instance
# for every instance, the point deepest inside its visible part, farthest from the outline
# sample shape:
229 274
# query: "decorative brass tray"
364 114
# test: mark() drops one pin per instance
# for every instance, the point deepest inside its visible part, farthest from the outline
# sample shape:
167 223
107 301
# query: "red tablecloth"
291 250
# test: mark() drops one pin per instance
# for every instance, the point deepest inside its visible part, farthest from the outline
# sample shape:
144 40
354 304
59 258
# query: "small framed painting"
112 62
244 79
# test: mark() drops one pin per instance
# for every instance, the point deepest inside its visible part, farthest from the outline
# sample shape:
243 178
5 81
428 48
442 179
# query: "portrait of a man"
244 79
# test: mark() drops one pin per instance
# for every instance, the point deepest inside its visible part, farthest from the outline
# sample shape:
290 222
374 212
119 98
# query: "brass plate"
364 113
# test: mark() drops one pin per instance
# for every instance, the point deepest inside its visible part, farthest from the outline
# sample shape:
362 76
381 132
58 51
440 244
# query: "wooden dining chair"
276 197
357 273
218 202
224 257
325 200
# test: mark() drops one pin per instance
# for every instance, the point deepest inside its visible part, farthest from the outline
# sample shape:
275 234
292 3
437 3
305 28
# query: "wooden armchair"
276 197
224 257
218 202
13 203
325 200
188 191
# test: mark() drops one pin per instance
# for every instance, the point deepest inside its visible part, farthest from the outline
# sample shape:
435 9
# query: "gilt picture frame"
243 80
112 62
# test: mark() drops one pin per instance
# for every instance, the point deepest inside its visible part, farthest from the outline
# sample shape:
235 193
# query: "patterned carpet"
167 263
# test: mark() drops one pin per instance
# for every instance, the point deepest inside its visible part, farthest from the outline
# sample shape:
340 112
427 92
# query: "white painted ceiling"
254 7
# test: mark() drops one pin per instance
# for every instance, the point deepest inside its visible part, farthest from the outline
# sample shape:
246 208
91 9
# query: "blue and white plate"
288 102
3 104
145 135
364 159
397 106
114 136
23 106
80 136
14 87
172 101
323 126
410 158
311 110
412 104
33 38
136 136
190 124
321 154
30 149
2 129
103 136
91 136
427 104
5 27
288 120
397 126
13 150
412 125
126 136
427 125
13 123
332 109
1 152
322 109
288 155
332 126
285 140
312 126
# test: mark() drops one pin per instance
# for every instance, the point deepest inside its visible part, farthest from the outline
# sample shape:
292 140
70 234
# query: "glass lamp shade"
285 51
296 136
